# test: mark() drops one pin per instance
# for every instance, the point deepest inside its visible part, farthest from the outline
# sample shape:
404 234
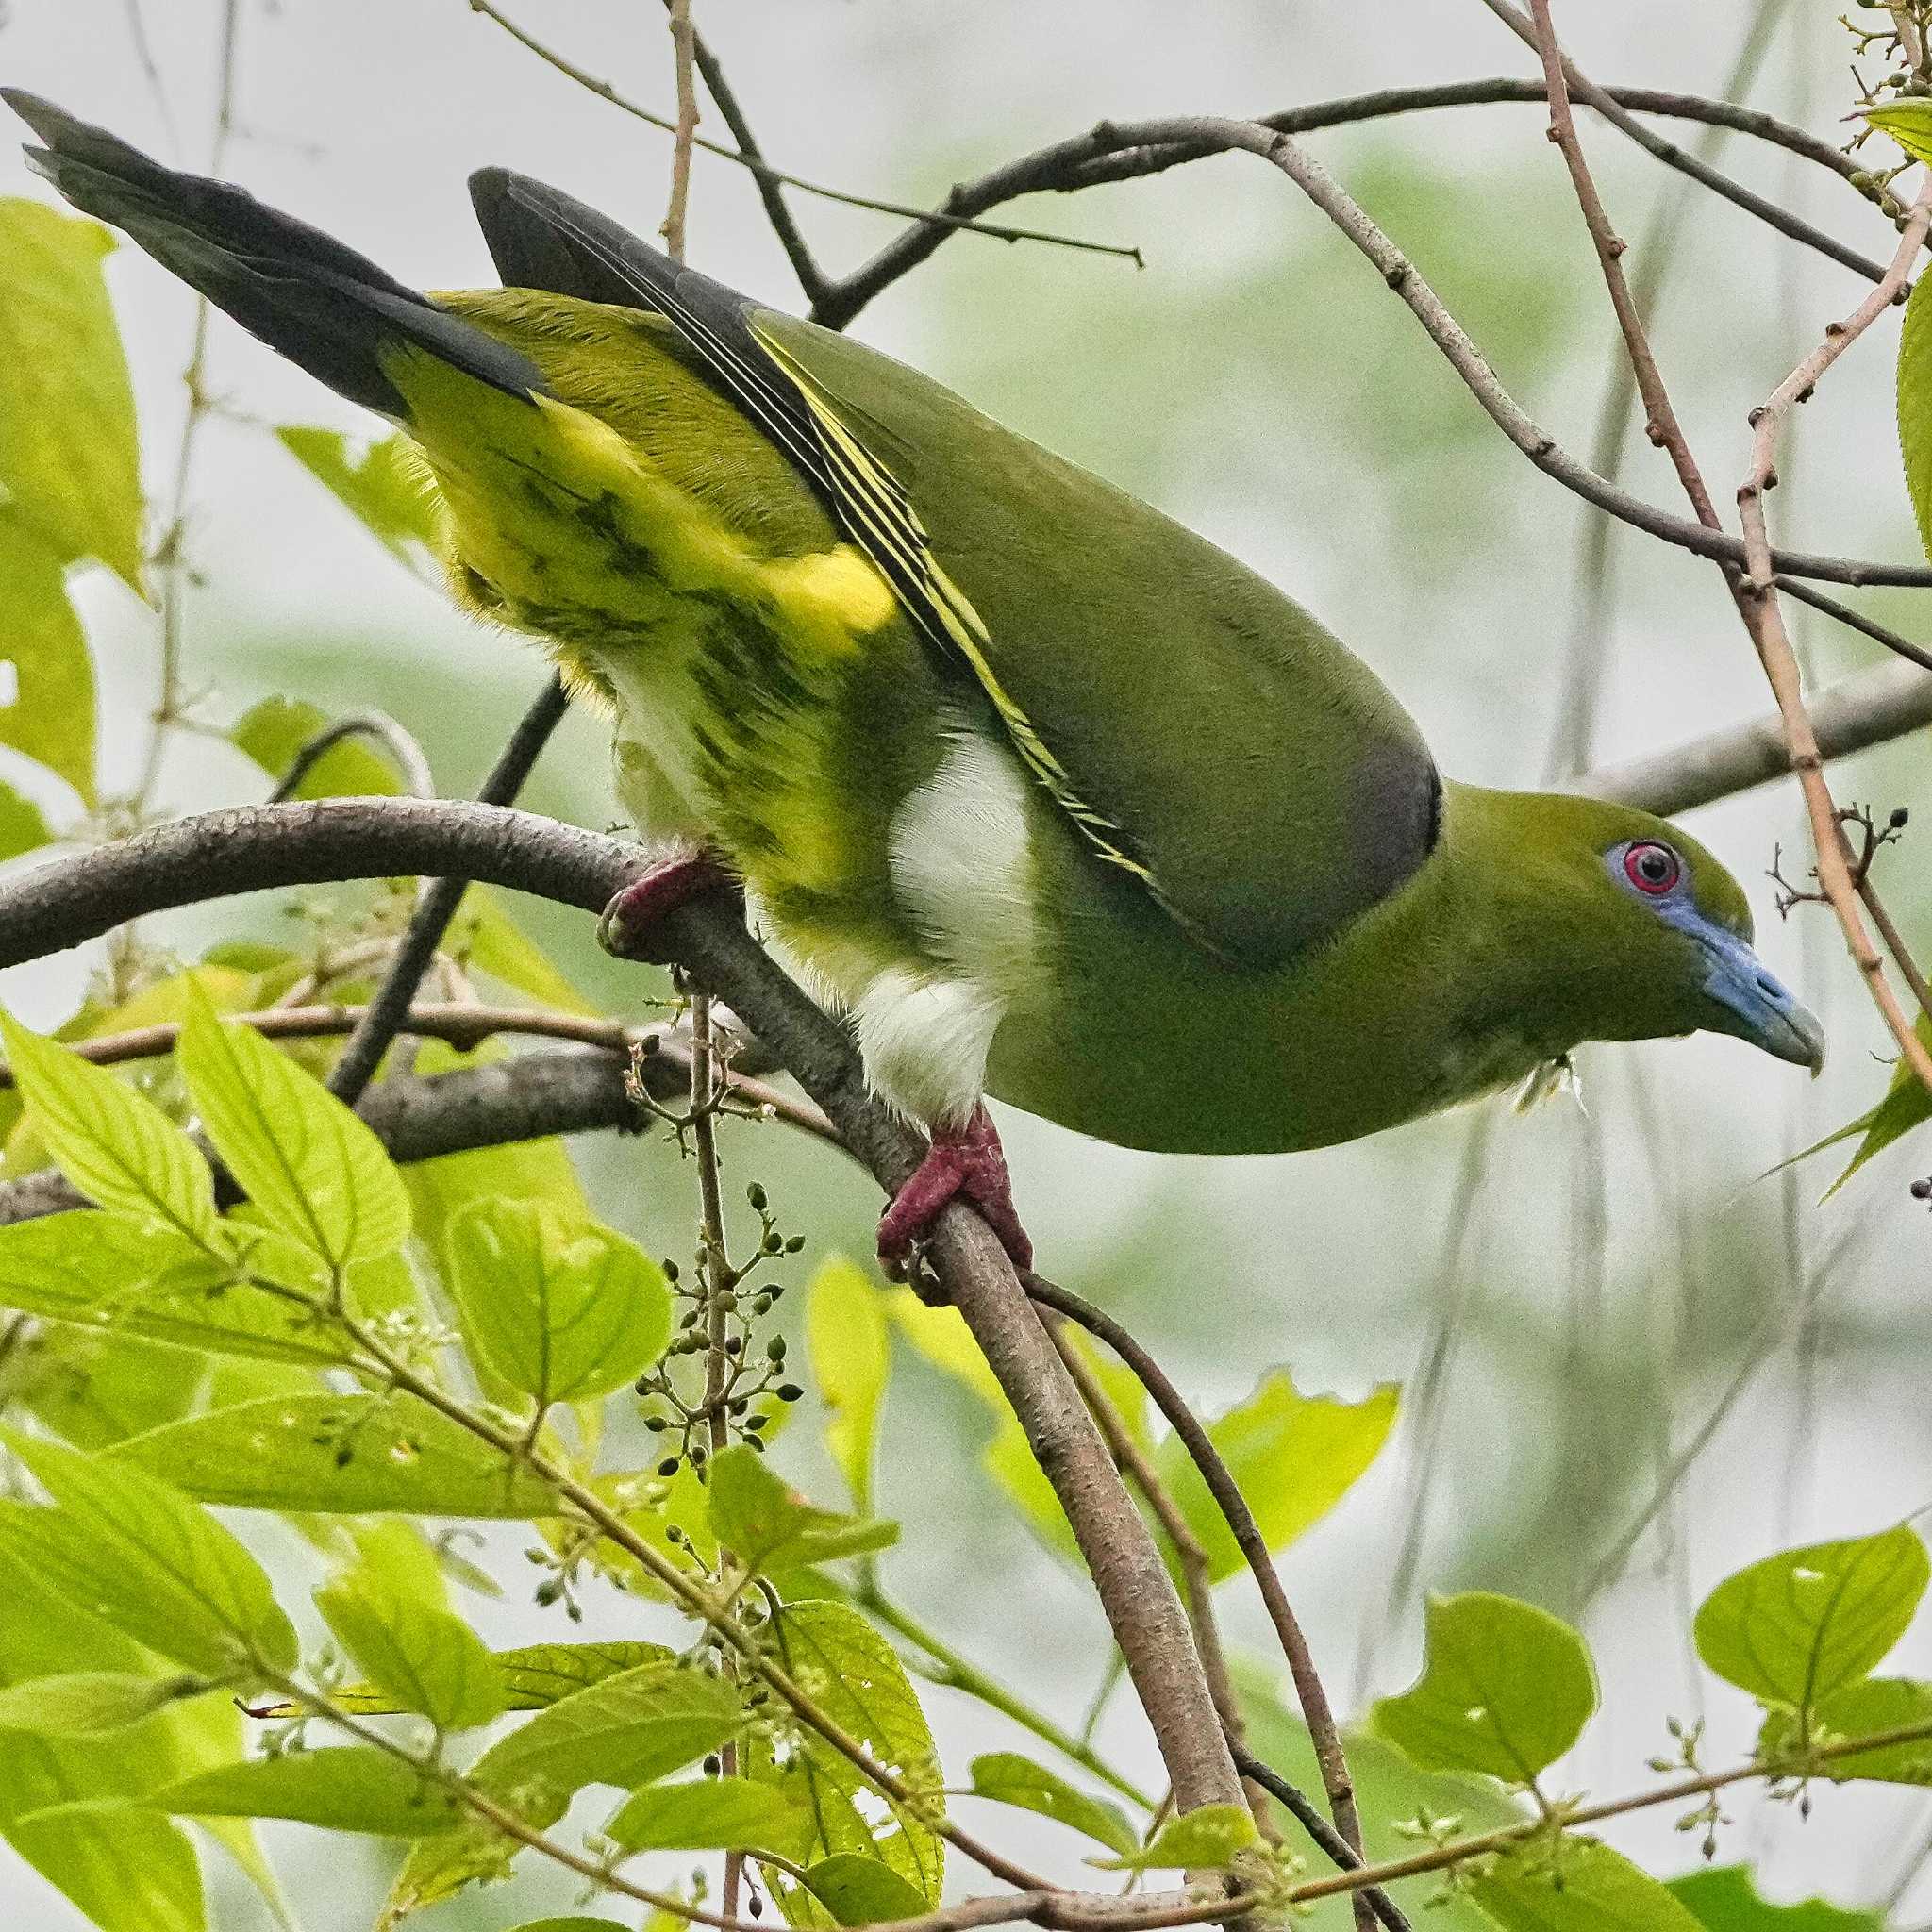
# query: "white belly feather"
961 865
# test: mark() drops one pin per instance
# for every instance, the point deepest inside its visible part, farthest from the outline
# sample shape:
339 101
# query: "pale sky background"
1258 382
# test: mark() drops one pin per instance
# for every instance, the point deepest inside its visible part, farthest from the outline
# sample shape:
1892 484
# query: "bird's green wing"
1202 732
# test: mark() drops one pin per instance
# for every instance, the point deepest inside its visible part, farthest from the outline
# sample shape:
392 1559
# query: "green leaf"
859 1683
95 1389
274 731
1392 1794
533 1676
1909 123
130 1870
429 1660
767 1525
89 1702
1915 443
114 1144
306 1162
1906 1103
1800 1626
625 1730
721 1814
1207 1836
1725 1899
1505 1689
846 1328
1009 1778
121 1274
858 1891
560 1310
485 934
1294 1456
385 487
1866 1709
347 1788
139 1554
125 1871
69 463
22 827
1579 1886
46 677
341 1453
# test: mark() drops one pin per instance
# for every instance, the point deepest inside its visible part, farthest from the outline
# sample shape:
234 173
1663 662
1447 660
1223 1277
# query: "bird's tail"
326 307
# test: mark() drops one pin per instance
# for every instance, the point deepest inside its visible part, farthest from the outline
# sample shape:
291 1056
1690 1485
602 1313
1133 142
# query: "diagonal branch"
1068 166
251 848
382 1019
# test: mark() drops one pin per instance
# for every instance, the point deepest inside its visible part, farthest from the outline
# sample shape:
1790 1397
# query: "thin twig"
1197 1579
1215 134
1662 427
435 907
1333 1844
466 1027
1765 619
171 552
771 189
683 132
1606 102
764 170
1068 166
1322 1731
1755 593
404 754
1507 1838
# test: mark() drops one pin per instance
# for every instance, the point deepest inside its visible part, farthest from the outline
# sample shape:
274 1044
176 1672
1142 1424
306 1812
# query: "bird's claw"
966 1161
629 927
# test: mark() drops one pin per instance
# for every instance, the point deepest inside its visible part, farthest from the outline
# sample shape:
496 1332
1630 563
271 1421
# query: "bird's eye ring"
1651 868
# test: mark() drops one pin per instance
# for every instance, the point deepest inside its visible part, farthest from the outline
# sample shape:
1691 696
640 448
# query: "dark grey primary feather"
318 303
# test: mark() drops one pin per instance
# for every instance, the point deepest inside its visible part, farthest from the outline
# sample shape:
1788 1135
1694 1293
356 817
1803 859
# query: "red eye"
1651 868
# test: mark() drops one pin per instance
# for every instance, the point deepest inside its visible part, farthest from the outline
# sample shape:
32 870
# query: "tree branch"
253 847
1764 617
1069 166
1852 715
1322 1731
1209 134
437 907
764 170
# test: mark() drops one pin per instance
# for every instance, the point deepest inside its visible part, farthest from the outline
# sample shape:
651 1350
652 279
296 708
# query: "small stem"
958 1672
1322 1731
1197 1581
683 133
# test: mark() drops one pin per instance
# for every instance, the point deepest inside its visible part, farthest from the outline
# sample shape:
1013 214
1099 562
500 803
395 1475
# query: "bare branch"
438 906
1068 166
684 132
1764 617
253 847
765 170
1322 1731
404 754
1850 716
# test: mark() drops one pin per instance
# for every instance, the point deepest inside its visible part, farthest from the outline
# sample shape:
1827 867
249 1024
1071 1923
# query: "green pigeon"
1053 799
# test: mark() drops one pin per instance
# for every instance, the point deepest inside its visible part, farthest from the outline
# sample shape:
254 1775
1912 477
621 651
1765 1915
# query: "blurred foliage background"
1630 1364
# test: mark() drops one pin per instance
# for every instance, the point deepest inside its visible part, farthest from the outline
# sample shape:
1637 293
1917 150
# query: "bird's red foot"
628 927
965 1161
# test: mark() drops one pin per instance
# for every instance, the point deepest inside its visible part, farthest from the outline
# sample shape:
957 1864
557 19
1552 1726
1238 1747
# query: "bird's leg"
967 1161
629 926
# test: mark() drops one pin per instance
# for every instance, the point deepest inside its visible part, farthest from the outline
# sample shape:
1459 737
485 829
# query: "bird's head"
1643 932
